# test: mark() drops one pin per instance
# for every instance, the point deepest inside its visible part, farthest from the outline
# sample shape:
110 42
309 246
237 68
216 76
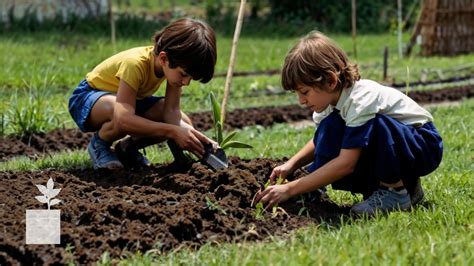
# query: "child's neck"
158 68
337 95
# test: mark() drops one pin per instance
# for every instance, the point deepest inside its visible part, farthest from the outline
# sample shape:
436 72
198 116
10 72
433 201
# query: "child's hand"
273 195
281 171
191 140
215 145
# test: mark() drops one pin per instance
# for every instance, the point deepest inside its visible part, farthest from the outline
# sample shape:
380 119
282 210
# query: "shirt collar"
343 97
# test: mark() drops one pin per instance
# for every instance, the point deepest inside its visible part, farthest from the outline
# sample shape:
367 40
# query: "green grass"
64 59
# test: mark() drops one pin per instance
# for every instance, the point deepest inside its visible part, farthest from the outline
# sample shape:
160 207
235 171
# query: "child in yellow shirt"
116 98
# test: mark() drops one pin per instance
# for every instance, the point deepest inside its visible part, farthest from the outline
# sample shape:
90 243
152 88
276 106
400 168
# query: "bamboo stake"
230 70
399 15
354 28
112 26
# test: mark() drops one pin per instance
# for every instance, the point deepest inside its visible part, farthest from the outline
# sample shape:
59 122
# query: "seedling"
303 208
259 208
69 249
214 206
224 141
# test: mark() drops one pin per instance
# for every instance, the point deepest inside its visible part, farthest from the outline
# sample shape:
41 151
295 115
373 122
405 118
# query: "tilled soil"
63 139
157 208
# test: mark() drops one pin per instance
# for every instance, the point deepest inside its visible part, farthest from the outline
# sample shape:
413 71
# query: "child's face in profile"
315 98
176 77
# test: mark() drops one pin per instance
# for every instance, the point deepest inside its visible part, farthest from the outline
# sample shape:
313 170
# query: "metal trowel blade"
215 159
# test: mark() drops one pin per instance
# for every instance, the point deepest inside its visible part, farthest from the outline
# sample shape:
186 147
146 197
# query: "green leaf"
236 144
219 133
229 137
216 108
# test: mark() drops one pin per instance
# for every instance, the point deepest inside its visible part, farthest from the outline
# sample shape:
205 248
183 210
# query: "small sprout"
214 206
276 210
252 230
280 180
259 208
48 193
303 208
259 211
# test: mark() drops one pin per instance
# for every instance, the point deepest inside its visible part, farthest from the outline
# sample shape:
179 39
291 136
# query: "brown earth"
157 208
63 139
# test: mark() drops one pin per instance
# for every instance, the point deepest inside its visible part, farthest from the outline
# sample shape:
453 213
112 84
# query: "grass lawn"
42 66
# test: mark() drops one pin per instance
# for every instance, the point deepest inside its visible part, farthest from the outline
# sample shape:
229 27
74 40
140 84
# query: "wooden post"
233 51
112 26
400 22
354 28
385 63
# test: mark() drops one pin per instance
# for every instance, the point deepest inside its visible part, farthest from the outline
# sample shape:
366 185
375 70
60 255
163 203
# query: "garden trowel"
215 159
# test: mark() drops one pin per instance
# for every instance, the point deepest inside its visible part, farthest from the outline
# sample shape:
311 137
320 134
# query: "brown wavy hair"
314 60
191 45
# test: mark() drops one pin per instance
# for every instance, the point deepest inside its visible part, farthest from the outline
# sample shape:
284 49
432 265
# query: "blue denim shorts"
84 97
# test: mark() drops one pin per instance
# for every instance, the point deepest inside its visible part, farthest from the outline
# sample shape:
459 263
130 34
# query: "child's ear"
163 57
332 81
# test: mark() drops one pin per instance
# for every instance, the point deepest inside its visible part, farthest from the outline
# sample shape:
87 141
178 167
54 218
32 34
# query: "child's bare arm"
301 158
304 156
172 112
335 169
131 124
127 122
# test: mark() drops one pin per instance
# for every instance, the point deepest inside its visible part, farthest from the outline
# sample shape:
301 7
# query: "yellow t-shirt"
134 66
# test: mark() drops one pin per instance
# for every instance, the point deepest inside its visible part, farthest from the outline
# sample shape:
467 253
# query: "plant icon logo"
44 226
48 193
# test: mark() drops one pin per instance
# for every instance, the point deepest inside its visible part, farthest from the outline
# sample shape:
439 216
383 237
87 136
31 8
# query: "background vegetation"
275 17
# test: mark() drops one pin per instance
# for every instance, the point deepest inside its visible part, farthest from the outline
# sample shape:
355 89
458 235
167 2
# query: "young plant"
224 141
303 208
214 206
277 210
259 211
259 208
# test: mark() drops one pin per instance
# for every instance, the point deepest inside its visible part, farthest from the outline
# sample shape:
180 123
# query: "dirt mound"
159 208
63 139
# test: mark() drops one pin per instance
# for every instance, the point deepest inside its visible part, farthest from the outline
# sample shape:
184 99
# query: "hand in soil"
273 195
281 171
191 140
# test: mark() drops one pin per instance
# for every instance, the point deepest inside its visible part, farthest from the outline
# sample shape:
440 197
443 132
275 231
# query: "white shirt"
366 98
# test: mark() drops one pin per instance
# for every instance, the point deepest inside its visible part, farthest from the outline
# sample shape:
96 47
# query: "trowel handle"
177 152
